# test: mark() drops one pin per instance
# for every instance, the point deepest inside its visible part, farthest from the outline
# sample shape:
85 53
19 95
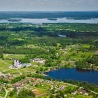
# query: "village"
37 84
43 87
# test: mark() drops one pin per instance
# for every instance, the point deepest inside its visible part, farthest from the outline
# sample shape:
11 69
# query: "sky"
48 5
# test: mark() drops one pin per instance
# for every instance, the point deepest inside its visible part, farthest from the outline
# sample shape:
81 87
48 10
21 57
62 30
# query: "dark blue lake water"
81 75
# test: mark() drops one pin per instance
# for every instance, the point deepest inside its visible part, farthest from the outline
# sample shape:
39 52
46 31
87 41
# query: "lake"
46 20
74 74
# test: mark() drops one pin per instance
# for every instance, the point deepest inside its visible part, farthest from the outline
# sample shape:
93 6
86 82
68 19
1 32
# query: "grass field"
13 56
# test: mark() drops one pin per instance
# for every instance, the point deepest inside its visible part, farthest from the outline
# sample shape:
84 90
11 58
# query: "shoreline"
84 69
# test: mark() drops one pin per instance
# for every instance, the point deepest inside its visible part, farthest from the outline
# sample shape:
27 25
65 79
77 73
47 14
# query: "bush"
24 93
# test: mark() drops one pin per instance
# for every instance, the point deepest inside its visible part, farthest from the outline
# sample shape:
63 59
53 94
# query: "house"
34 83
34 79
6 76
16 86
38 60
82 91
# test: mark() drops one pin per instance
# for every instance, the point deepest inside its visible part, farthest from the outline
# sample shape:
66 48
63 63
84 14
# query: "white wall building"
18 64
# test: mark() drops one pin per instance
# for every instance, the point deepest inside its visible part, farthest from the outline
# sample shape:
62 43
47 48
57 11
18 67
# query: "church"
18 64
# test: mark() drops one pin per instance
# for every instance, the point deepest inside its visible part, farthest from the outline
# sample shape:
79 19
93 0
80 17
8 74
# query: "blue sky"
48 5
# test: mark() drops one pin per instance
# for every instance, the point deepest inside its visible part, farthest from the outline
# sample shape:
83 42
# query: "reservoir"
74 74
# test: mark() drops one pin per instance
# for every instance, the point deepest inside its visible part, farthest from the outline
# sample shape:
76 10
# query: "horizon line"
51 11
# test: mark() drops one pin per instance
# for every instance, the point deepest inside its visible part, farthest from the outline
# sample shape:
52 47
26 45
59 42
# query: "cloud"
46 5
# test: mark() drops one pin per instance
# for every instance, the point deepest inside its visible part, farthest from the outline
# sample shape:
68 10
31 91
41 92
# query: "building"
83 92
17 86
38 60
18 64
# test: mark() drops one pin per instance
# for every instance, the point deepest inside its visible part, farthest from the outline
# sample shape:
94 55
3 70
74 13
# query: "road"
6 93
